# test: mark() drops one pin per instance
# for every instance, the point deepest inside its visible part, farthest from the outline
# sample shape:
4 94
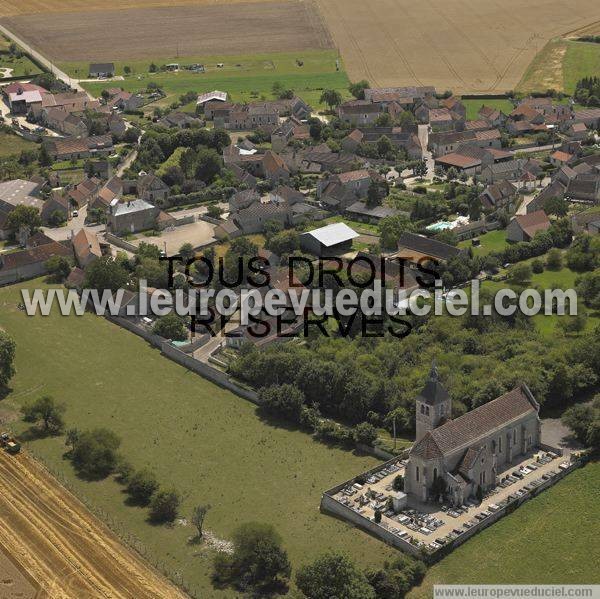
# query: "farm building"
329 240
524 226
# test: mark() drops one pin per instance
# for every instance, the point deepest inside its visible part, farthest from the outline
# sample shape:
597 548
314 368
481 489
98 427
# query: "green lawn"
551 539
246 78
473 106
559 65
12 144
581 60
205 441
494 241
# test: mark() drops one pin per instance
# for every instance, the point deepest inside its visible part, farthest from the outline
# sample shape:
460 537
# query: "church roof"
427 448
477 423
468 461
433 393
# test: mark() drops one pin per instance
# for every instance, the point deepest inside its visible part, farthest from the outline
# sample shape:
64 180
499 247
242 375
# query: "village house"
131 217
17 192
80 194
359 112
492 116
152 189
447 142
65 149
414 249
468 452
338 192
57 208
290 129
21 96
499 196
523 227
86 247
587 221
31 262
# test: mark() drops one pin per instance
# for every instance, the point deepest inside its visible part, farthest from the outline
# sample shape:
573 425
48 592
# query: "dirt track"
62 546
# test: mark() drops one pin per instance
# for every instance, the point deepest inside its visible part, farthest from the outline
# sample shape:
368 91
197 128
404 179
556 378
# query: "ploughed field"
170 32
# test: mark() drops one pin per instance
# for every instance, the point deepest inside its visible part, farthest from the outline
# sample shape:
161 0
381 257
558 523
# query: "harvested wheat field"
53 540
117 35
464 45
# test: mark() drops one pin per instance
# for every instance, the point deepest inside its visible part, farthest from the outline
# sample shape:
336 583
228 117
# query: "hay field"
464 45
137 33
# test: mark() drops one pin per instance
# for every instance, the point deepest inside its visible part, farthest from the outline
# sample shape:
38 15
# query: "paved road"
42 59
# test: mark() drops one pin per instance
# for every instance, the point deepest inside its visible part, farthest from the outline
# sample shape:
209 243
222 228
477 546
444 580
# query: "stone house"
131 217
524 226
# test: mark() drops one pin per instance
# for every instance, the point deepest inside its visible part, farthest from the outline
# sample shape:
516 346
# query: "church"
471 450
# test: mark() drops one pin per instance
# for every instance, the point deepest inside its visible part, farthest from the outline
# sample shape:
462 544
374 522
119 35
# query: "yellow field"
464 45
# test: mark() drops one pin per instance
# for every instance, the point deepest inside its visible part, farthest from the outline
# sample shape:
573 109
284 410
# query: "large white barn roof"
333 234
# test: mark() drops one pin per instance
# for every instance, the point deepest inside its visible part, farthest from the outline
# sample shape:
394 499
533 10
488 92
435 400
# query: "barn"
330 240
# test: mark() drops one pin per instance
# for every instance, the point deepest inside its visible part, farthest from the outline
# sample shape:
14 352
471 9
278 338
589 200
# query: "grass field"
208 443
494 241
251 80
11 144
560 65
473 106
551 539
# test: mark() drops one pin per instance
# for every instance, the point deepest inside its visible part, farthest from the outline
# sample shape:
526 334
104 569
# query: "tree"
171 327
44 157
390 229
164 506
258 560
7 357
398 484
127 70
385 147
198 517
519 274
59 267
420 168
95 453
554 259
46 410
105 273
333 575
186 251
579 418
556 206
208 165
365 433
142 485
358 89
537 266
23 217
71 438
283 400
395 579
331 97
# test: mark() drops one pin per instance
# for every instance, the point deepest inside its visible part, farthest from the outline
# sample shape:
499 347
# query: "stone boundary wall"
331 505
120 242
220 378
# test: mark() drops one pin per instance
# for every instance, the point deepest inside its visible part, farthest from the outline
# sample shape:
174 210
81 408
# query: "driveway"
72 227
556 434
199 234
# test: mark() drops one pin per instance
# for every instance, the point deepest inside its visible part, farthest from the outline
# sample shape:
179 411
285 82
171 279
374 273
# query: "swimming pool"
440 226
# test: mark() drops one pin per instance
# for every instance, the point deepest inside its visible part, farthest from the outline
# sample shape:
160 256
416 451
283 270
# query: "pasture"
208 443
550 539
130 34
245 78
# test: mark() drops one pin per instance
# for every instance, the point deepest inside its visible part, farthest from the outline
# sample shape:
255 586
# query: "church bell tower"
433 405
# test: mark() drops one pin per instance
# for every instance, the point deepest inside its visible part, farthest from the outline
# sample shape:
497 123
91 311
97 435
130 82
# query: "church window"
422 409
417 473
427 410
493 446
500 444
435 473
514 435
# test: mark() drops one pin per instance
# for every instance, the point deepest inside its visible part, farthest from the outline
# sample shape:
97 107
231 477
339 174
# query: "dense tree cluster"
587 91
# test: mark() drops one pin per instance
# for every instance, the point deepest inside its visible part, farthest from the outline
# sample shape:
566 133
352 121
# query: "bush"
164 506
46 411
365 434
142 485
554 260
95 453
537 266
283 400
